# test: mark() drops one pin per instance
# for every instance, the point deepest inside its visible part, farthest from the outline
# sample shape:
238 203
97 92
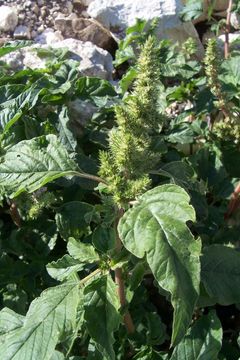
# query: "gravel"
38 15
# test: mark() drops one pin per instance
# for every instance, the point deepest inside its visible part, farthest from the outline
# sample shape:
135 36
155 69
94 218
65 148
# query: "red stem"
120 283
227 30
234 202
15 214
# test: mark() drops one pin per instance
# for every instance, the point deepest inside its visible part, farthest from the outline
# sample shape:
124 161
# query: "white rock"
72 16
93 61
22 32
49 37
8 18
85 2
117 15
234 40
235 20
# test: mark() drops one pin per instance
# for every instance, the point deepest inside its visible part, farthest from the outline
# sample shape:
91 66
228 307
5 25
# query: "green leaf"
14 107
58 356
13 46
31 164
91 87
149 354
220 273
49 317
180 172
71 221
9 321
128 79
101 294
192 10
64 267
66 136
82 252
231 69
202 342
156 227
104 238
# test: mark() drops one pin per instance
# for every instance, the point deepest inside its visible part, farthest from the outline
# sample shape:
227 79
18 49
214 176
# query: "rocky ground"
91 28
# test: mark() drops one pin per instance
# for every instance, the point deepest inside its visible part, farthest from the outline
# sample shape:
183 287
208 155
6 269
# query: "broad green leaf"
180 172
128 79
192 10
147 353
71 219
58 356
64 267
82 252
90 87
231 69
102 317
9 321
156 227
220 273
31 164
104 238
49 317
66 136
13 46
202 342
13 108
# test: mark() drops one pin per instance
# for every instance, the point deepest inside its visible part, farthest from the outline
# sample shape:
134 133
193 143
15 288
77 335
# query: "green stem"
90 276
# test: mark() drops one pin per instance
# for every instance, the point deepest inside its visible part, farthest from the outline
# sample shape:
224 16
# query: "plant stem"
15 214
234 202
90 276
120 283
227 30
88 176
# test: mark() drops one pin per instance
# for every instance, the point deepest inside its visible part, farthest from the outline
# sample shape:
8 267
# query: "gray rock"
117 15
93 61
49 37
235 20
234 41
8 18
92 30
22 32
85 2
81 111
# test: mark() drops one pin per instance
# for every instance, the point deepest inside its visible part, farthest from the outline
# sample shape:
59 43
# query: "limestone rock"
91 30
84 2
8 18
22 32
234 41
93 61
235 20
81 111
117 15
49 37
